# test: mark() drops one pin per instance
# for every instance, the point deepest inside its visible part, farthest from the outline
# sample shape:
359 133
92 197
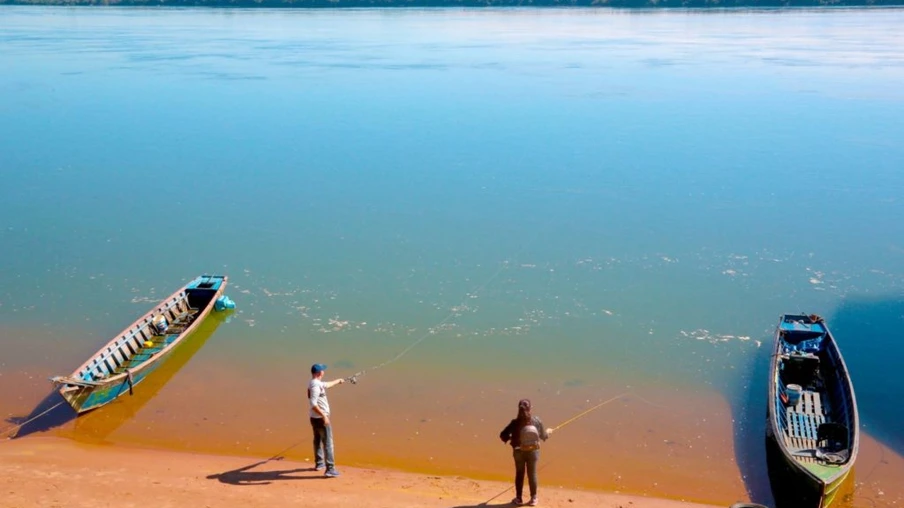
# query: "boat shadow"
51 412
867 330
243 476
749 414
94 426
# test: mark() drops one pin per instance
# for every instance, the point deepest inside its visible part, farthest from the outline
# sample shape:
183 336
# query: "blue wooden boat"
121 364
812 416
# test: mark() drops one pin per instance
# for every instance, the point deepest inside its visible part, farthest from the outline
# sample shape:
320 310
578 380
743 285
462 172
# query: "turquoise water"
578 197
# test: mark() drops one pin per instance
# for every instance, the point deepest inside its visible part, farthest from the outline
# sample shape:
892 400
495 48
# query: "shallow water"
566 205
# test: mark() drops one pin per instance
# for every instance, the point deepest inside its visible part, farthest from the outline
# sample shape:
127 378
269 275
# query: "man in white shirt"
320 420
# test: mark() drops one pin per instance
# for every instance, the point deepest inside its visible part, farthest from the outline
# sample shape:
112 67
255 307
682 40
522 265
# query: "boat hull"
88 398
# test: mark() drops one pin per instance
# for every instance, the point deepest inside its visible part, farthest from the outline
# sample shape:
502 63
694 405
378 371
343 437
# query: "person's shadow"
490 500
244 475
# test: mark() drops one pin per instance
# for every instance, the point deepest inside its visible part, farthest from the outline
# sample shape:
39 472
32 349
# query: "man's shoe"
331 473
319 467
533 502
517 501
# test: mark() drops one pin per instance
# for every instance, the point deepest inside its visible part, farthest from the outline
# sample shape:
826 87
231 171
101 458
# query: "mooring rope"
26 422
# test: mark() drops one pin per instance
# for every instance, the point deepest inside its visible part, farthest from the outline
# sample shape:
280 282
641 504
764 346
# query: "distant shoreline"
333 4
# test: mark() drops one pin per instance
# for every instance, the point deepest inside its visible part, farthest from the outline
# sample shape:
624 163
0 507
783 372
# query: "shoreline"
53 471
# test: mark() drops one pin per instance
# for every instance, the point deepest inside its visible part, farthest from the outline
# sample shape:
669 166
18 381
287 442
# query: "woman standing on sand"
524 433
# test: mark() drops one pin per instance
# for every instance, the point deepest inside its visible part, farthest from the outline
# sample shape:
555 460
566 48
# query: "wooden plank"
817 402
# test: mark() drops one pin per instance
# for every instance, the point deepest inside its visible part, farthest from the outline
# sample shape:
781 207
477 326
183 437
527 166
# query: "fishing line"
588 411
26 422
432 330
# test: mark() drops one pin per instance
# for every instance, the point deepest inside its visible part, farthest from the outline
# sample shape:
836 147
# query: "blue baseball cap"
317 367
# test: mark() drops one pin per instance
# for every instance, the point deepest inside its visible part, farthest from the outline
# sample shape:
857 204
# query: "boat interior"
142 341
813 407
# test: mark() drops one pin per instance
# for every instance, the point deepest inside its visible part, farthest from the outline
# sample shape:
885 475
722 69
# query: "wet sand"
645 443
46 471
654 442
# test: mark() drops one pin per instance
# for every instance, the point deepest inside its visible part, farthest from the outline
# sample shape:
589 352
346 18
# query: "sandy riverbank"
46 471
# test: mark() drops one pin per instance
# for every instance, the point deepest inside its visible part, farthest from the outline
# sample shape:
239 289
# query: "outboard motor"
224 303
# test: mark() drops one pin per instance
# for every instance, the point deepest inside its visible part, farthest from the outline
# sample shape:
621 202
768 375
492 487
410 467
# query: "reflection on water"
95 426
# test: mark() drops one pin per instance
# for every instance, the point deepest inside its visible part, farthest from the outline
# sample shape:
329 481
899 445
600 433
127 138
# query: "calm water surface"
565 205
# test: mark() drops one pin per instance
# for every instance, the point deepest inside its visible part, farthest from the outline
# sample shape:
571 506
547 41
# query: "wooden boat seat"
135 350
804 421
